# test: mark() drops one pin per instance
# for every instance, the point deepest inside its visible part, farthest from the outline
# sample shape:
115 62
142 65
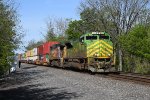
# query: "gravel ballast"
32 82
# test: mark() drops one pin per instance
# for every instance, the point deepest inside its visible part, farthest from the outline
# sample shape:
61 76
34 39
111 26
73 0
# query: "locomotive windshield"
91 37
103 37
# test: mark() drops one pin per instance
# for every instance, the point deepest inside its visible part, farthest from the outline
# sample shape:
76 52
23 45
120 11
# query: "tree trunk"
120 59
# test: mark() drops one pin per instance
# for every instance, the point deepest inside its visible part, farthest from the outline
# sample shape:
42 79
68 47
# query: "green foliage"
135 64
32 44
136 47
94 20
9 35
50 36
137 42
91 21
54 37
75 29
56 29
89 16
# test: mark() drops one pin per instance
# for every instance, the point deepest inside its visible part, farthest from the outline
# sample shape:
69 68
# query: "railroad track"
139 79
129 77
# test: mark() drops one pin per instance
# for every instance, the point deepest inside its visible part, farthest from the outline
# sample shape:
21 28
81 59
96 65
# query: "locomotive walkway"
32 82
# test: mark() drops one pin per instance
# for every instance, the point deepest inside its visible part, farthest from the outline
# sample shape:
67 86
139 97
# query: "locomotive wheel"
92 73
50 63
60 63
92 69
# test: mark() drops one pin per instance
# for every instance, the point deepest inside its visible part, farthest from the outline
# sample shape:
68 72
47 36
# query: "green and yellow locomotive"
93 52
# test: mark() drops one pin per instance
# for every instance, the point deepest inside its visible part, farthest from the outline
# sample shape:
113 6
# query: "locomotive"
93 52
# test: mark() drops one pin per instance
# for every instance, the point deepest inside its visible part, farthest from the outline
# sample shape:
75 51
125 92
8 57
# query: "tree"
56 29
93 20
136 47
75 29
50 36
124 14
144 17
137 42
33 44
61 25
10 36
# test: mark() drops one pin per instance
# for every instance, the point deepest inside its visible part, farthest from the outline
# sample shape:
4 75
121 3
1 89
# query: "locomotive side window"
91 37
81 39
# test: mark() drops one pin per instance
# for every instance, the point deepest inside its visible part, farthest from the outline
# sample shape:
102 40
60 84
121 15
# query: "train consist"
93 51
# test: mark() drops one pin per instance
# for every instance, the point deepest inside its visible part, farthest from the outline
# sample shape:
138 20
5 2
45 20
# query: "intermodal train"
93 51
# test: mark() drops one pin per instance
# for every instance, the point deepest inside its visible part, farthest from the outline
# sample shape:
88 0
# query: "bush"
135 64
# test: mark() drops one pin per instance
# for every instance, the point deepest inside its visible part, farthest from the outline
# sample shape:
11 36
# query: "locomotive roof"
94 33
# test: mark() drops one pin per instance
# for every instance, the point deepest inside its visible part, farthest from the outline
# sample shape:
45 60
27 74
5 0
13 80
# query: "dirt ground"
32 82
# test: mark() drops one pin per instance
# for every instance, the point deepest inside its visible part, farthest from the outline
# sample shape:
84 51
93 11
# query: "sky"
34 14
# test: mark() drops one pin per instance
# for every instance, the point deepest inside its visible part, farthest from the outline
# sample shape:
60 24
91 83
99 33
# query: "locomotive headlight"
96 54
109 55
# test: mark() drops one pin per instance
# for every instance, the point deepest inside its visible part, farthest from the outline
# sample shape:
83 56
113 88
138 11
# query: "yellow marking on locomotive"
109 46
106 49
93 44
94 52
92 47
102 57
102 54
105 52
101 48
91 53
108 53
97 51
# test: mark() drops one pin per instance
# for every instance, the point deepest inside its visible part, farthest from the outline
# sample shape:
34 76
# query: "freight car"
40 54
93 52
32 56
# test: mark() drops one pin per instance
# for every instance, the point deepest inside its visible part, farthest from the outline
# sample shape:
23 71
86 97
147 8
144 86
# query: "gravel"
32 82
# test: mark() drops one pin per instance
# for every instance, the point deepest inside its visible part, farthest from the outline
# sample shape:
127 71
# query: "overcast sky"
34 13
